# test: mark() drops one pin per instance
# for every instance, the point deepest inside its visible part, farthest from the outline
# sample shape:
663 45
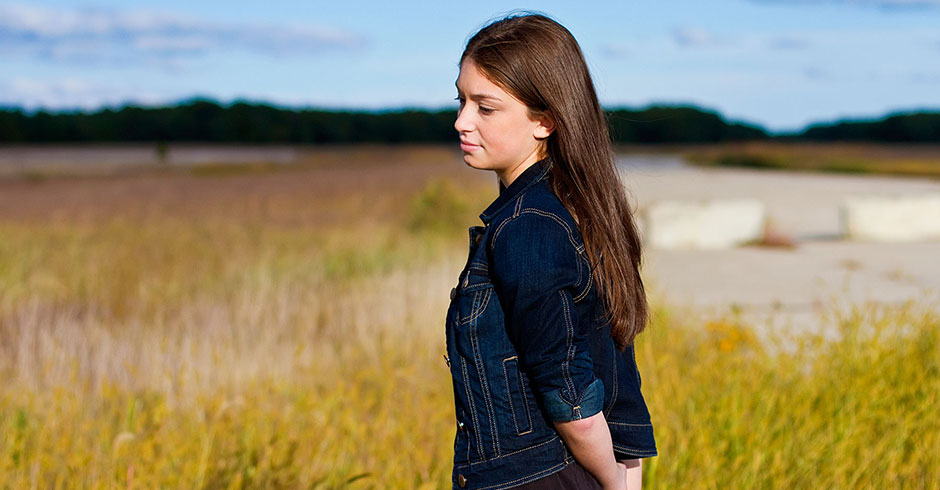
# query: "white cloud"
180 44
70 93
90 35
696 37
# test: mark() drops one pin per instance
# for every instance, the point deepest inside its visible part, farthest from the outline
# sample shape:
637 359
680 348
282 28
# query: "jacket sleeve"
534 267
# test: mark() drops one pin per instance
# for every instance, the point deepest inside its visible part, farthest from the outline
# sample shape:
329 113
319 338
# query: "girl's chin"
473 162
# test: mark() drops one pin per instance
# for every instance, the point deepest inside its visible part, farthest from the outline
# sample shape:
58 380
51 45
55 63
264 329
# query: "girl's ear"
545 126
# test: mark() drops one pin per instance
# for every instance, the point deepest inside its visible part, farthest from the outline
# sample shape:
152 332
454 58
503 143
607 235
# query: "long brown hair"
539 62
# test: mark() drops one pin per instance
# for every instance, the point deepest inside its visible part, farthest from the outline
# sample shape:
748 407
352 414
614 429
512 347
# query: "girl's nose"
463 123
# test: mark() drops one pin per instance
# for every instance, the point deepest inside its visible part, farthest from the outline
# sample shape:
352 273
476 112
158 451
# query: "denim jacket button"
453 292
461 480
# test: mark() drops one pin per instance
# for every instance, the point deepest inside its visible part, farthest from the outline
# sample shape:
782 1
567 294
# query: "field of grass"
852 158
285 330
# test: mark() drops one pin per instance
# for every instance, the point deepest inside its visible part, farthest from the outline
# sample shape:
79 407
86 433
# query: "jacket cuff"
560 410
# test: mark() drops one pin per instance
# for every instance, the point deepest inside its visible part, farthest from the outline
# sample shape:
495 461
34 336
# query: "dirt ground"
280 185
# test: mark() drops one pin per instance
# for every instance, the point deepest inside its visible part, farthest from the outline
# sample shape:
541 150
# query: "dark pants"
574 476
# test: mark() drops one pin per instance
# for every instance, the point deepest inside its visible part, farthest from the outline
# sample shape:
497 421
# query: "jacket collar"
529 176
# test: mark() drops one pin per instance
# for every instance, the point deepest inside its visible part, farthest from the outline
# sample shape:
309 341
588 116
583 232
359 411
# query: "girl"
540 327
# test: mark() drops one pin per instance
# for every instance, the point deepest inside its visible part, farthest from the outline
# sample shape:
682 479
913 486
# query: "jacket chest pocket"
472 311
473 314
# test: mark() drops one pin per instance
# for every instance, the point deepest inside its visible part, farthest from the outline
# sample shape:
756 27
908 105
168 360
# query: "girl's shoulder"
537 228
539 208
537 245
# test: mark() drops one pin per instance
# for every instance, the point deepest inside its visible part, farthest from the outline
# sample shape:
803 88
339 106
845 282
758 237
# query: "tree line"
204 120
909 127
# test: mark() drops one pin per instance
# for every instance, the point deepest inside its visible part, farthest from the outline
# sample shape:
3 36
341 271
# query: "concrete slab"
703 224
891 218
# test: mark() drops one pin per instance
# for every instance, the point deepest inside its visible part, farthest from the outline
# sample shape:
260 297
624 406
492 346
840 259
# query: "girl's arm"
590 443
634 473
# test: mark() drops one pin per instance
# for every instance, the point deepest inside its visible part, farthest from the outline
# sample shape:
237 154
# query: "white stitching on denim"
482 375
524 479
578 248
473 308
481 306
629 425
578 266
538 212
613 397
525 401
587 288
558 219
553 439
528 448
485 302
473 411
570 354
509 392
487 398
468 445
497 230
634 452
478 266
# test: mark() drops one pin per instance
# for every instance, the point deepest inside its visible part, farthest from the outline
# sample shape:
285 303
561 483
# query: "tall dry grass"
173 350
852 410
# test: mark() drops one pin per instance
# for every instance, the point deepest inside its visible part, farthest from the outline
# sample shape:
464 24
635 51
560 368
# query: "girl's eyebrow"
485 96
481 96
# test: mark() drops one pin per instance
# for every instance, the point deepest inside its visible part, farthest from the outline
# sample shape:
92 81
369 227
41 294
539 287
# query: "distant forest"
204 120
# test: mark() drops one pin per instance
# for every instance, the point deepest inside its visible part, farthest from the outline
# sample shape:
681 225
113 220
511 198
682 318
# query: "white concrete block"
899 218
706 224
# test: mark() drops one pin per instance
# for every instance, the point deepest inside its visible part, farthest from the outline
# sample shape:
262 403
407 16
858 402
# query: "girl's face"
496 132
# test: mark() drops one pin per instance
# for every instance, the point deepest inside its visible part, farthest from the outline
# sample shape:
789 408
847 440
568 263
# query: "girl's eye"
486 110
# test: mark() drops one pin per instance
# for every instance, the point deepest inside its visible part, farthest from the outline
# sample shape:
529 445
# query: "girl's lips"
468 146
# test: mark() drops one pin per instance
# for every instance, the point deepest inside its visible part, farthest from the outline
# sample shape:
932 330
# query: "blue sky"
777 63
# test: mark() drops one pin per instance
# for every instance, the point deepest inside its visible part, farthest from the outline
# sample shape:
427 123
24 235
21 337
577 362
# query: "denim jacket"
527 345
